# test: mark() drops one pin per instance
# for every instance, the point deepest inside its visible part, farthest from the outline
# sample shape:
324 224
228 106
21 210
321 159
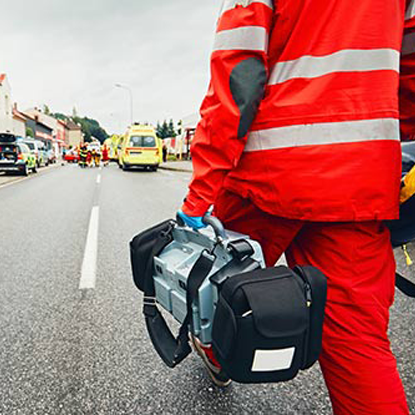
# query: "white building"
6 106
45 119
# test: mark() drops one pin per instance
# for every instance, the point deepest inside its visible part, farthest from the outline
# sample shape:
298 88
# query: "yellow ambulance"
140 147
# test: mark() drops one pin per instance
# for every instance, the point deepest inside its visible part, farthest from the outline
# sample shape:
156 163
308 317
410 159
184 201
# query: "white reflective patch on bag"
271 360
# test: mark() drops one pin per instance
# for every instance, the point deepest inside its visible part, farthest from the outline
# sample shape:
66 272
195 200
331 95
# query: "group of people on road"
91 157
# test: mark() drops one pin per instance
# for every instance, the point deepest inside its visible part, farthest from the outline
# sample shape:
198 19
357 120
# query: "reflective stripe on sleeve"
410 12
231 4
349 60
323 133
243 38
408 44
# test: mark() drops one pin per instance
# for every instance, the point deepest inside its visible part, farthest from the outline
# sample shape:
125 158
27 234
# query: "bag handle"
405 286
212 221
173 350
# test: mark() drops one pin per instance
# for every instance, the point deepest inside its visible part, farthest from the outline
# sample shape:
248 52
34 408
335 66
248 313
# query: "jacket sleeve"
239 73
407 78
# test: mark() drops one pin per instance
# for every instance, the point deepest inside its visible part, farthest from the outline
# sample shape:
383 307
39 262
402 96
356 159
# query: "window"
142 141
23 148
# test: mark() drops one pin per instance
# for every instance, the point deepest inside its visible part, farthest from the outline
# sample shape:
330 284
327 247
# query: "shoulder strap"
174 350
406 286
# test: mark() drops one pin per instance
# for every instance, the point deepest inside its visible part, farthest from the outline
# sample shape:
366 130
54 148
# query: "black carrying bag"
268 323
144 247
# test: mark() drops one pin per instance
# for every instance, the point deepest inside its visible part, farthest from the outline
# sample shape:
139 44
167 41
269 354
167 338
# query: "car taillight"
157 152
19 156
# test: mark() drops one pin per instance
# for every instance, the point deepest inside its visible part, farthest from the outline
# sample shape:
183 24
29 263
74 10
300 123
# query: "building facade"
6 106
75 136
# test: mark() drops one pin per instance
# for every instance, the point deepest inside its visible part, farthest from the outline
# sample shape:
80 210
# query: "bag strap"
404 285
172 350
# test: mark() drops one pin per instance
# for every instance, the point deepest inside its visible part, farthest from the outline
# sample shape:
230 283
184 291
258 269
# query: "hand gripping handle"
209 220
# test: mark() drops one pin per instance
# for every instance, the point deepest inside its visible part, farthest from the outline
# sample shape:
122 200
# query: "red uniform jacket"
302 112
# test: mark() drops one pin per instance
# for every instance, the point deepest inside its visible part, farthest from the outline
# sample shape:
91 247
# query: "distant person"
105 156
164 152
89 158
83 153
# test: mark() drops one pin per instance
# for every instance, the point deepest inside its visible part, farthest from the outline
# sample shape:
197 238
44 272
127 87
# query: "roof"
2 77
37 121
72 126
19 115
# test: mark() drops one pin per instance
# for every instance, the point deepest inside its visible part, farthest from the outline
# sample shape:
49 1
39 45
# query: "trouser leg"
241 215
358 365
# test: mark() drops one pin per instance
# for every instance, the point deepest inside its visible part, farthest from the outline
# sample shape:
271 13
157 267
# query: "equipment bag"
268 323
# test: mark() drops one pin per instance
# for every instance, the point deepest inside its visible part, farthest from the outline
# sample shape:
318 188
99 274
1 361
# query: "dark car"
408 156
16 157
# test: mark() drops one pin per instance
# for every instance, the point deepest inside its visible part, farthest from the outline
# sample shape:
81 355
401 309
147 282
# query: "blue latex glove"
195 222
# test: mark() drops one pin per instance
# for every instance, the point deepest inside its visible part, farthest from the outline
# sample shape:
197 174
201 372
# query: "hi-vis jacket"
302 112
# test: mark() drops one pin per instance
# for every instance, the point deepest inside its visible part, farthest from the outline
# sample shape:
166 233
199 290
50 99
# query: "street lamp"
131 100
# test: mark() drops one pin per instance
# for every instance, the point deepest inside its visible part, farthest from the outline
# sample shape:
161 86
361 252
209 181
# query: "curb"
182 170
31 176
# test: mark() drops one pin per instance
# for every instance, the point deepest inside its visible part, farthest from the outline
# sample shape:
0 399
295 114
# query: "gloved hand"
195 222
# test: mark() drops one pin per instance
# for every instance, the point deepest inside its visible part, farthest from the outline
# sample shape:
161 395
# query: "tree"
179 127
164 130
46 110
30 132
60 116
158 129
171 131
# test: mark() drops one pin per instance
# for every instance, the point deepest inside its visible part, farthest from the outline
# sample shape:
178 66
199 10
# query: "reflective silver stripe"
410 11
231 4
408 44
349 60
323 133
242 38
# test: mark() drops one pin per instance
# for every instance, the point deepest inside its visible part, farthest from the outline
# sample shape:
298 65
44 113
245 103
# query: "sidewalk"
6 180
182 166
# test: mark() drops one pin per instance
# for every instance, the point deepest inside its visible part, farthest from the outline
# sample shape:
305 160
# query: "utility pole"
131 100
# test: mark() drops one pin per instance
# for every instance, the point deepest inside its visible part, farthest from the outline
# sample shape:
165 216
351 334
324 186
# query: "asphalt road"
69 351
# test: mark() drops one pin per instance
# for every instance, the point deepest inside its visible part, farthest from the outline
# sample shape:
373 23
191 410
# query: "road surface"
72 338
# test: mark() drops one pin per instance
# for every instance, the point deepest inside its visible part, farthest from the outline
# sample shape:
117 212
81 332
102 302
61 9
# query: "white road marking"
89 264
98 179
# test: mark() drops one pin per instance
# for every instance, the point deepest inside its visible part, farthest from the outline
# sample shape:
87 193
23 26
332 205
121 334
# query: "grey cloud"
72 53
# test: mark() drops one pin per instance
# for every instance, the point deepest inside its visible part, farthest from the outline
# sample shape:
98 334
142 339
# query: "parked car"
36 148
408 156
72 156
16 157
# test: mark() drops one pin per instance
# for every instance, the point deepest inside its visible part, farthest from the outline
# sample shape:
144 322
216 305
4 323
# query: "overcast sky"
67 53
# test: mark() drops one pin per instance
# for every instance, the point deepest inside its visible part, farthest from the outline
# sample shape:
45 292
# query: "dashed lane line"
89 264
99 179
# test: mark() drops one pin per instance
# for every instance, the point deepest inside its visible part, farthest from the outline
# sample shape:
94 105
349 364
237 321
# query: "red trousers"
357 363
